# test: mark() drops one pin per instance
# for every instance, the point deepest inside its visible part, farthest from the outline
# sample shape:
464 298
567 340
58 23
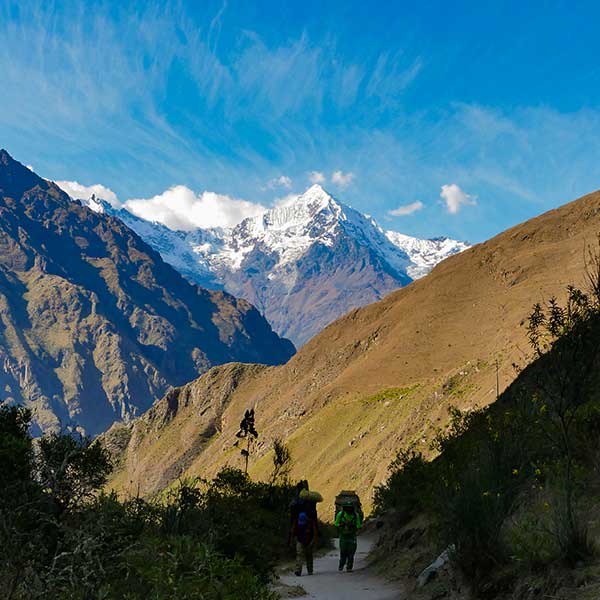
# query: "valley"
376 380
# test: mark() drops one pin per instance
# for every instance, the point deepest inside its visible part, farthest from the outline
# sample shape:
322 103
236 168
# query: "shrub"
61 538
408 487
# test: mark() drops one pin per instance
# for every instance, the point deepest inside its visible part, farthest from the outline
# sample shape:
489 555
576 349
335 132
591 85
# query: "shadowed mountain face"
94 326
378 379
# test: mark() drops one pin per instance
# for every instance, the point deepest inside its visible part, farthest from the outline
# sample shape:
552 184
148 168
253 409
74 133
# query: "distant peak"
315 191
16 178
5 157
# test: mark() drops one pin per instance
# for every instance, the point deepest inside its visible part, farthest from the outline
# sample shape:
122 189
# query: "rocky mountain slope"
303 264
377 379
94 326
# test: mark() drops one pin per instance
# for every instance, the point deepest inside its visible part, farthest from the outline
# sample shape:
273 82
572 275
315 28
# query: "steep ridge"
303 263
94 325
379 378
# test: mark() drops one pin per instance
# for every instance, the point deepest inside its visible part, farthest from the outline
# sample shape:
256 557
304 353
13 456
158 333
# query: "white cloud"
316 177
342 179
407 209
181 208
455 198
282 181
82 192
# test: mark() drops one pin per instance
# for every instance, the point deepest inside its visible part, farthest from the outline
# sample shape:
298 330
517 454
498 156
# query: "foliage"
62 538
565 339
406 489
282 462
16 450
247 432
70 469
541 435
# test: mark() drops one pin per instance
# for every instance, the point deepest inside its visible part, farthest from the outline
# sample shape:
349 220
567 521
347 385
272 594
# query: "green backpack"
348 526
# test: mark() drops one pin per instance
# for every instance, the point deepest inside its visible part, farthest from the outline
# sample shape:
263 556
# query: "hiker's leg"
299 557
308 554
343 553
351 552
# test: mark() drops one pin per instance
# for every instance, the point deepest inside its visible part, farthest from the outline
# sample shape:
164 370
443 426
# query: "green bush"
542 434
62 539
408 487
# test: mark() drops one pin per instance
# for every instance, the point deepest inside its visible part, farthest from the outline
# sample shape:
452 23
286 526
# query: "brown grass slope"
94 326
377 379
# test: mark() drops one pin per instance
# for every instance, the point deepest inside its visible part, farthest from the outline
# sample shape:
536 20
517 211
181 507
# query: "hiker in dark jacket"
348 522
304 501
304 532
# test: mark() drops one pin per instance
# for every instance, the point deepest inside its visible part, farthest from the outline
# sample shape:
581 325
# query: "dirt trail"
327 583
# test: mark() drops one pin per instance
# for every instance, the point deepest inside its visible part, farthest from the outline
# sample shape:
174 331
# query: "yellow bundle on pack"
311 496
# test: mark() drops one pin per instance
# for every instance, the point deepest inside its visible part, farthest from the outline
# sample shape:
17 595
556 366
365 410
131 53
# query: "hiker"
304 501
348 522
304 531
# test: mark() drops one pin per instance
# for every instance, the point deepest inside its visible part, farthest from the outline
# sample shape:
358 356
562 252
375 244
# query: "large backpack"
348 496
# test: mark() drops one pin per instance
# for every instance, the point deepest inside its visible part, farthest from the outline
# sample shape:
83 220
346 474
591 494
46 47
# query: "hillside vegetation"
379 379
63 539
513 493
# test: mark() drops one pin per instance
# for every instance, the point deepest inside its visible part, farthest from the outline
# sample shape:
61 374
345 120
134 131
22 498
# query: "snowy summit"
303 263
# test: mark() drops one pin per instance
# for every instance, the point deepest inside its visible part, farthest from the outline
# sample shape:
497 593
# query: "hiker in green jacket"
348 522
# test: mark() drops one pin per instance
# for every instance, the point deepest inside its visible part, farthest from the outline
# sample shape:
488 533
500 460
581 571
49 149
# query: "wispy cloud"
90 79
342 179
407 209
316 177
455 198
282 181
226 103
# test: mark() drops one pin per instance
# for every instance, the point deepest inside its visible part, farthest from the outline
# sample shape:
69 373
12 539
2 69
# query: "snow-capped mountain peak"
297 211
303 263
97 204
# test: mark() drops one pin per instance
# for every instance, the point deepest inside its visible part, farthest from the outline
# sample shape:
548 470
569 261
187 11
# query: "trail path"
327 583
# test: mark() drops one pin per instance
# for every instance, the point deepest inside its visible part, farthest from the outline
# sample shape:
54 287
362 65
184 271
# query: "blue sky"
497 101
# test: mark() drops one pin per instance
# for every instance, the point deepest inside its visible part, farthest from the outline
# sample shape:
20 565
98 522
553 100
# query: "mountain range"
381 378
94 325
303 264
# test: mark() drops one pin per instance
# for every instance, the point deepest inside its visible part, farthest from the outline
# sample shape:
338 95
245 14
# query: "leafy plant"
61 537
282 462
247 432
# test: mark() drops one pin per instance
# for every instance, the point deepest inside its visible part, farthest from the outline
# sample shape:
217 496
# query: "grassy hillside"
513 492
378 379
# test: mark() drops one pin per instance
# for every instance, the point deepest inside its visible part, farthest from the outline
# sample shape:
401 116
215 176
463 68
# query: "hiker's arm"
358 521
338 518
